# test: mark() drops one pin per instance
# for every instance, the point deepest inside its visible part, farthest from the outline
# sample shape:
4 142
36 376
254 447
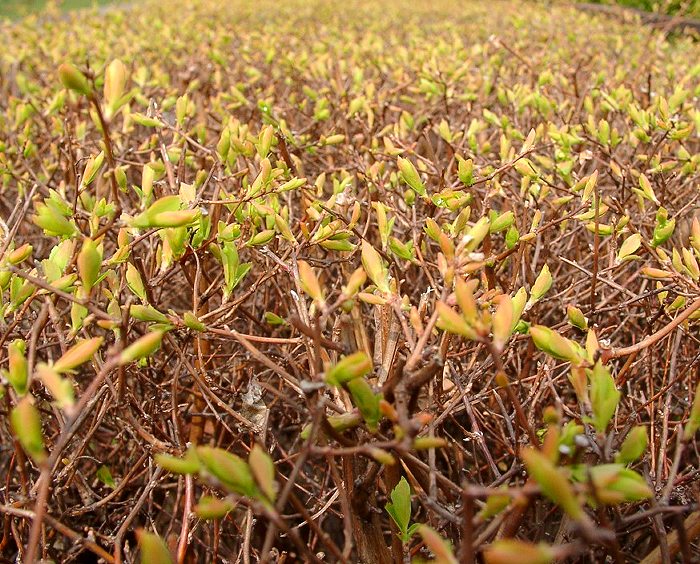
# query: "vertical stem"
202 349
596 245
109 153
39 511
467 549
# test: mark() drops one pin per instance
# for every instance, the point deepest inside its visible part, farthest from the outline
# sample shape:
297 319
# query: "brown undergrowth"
348 282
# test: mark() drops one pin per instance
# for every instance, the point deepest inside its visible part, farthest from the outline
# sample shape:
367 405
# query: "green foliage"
254 478
553 483
353 366
671 7
604 396
26 424
153 548
303 245
512 550
104 475
400 510
19 8
634 445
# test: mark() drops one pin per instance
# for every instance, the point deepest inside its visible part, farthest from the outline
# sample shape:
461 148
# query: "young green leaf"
89 262
188 464
92 167
440 547
18 373
309 282
147 313
576 318
451 322
465 171
552 482
73 79
339 423
634 446
263 469
26 424
502 321
141 348
135 282
495 503
153 548
464 292
60 388
554 344
353 366
613 483
508 551
115 81
541 286
629 247
374 267
232 471
355 282
20 254
213 508
604 396
693 424
645 189
410 176
502 222
382 456
400 507
104 475
78 354
426 443
191 321
366 401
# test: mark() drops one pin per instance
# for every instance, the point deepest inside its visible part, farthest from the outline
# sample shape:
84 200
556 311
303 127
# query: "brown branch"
609 354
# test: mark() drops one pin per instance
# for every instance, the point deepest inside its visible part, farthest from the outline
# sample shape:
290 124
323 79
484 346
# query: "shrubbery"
675 7
348 281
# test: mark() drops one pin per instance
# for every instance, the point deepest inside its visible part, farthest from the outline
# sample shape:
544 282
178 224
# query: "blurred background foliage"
17 8
674 7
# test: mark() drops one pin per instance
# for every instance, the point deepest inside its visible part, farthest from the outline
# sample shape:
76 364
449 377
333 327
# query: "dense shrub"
674 7
348 281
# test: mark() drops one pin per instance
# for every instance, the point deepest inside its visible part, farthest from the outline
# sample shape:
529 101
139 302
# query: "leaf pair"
400 510
349 373
166 212
254 478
